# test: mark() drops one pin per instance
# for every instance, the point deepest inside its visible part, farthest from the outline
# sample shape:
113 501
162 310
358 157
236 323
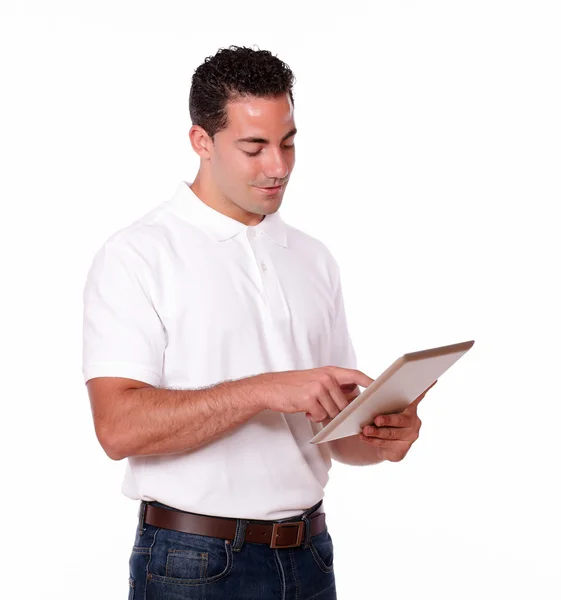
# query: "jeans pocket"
188 559
186 564
321 547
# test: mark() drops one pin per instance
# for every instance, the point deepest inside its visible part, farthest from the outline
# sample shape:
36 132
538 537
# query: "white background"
428 159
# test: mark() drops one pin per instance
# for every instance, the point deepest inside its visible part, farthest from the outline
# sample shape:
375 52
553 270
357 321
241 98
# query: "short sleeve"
342 349
123 335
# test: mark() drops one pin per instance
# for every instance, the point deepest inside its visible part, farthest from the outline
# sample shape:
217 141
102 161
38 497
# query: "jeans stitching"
294 572
148 564
280 570
319 561
322 592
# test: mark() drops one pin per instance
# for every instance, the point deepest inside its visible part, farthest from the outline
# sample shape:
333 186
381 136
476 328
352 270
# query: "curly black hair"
230 74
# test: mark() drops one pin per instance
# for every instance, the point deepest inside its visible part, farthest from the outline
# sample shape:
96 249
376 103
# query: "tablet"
401 383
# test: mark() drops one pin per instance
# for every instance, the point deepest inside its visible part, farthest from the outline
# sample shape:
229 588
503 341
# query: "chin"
272 205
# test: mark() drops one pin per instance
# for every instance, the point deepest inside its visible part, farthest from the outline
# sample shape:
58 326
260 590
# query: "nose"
276 166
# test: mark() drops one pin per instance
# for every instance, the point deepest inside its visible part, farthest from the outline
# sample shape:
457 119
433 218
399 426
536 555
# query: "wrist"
256 390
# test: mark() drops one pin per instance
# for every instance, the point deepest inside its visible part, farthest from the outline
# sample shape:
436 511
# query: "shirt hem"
127 370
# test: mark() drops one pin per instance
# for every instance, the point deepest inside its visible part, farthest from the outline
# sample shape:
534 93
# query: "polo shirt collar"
218 226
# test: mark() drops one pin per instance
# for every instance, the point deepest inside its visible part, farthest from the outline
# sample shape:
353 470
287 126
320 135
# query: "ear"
201 142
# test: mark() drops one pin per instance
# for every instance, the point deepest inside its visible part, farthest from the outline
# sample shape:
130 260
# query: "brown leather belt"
287 534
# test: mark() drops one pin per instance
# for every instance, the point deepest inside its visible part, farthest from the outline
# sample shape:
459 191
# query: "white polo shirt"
186 297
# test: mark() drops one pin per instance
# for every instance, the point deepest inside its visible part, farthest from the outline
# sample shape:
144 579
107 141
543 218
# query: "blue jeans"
172 565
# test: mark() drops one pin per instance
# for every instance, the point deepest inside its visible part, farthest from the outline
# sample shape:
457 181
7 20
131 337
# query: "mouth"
271 190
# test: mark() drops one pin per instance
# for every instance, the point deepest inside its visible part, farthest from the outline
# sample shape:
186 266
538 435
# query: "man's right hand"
322 393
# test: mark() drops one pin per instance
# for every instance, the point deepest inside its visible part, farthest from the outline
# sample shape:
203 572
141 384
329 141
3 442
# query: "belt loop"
239 538
308 534
141 516
308 529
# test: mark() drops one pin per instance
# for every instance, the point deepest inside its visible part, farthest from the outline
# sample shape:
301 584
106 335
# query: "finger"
333 400
395 420
349 388
350 391
381 443
423 394
416 402
413 406
328 404
317 413
350 396
387 450
405 434
337 396
345 376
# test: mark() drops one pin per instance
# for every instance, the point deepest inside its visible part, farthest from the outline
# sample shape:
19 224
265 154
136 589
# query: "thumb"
415 402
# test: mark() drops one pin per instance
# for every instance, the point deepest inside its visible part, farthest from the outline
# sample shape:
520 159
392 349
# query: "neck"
206 190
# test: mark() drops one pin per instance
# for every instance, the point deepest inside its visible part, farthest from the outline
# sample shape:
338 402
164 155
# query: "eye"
286 146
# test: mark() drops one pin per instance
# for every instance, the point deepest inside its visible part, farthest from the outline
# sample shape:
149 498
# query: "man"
215 347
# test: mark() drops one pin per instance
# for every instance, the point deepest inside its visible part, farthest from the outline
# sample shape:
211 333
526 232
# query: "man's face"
255 151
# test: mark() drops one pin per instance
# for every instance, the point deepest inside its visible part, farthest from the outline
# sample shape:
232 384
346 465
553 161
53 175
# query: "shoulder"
313 247
141 241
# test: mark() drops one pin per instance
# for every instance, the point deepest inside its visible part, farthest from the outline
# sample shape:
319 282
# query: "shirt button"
251 233
264 266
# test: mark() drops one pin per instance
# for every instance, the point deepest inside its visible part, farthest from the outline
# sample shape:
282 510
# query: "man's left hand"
394 434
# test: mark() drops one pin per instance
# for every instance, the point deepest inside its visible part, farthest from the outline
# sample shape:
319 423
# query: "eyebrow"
256 140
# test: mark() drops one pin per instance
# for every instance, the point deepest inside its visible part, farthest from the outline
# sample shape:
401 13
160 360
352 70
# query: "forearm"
151 420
